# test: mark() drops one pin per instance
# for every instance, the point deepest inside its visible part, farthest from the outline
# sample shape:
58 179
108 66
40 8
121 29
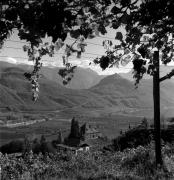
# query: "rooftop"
65 147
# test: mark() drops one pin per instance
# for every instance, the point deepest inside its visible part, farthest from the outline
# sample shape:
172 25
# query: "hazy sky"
13 52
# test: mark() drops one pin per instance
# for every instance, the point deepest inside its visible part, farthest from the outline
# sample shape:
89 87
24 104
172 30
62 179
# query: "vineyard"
131 164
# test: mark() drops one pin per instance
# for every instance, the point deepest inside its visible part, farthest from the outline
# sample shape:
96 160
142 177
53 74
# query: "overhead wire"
55 53
10 47
96 44
16 41
71 40
67 38
94 54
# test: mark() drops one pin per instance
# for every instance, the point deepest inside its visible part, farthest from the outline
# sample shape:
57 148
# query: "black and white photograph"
86 90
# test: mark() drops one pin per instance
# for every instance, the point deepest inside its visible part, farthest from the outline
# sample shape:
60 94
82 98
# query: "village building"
81 138
85 147
62 147
88 131
75 150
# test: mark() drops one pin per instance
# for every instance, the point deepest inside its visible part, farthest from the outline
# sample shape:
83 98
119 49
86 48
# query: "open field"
109 121
109 126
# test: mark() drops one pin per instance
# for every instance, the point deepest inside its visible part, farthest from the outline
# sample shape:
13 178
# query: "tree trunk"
156 98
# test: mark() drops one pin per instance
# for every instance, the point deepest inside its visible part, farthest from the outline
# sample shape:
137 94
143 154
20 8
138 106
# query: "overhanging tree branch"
167 76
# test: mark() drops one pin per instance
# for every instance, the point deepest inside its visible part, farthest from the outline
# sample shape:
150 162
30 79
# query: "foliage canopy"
146 31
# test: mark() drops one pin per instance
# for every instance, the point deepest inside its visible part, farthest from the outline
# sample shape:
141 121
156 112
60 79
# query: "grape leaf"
79 54
125 60
115 10
119 36
59 43
75 33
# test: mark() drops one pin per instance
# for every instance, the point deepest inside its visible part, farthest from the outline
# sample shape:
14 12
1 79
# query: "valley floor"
110 122
110 126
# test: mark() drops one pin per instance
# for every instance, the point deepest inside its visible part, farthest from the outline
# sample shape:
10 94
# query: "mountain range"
87 91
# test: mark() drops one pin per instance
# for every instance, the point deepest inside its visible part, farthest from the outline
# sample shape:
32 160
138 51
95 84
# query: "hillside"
166 90
146 85
112 92
53 96
163 71
84 78
121 92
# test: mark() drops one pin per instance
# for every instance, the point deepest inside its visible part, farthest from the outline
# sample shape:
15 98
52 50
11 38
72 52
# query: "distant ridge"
110 92
84 78
163 71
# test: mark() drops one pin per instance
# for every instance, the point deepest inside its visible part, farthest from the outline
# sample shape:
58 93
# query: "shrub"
12 147
130 164
132 139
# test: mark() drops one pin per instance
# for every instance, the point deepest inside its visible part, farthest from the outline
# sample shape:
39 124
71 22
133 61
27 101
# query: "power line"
10 47
67 38
18 41
16 57
96 44
74 39
87 42
94 54
42 59
71 40
106 37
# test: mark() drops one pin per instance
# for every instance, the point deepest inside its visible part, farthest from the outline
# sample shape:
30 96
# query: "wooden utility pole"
156 98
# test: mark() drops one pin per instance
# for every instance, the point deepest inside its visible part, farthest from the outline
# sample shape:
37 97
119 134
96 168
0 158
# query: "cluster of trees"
74 136
142 134
75 129
132 139
26 146
12 147
43 145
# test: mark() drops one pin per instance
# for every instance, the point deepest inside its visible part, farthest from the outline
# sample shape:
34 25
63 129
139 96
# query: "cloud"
107 71
75 62
25 62
84 63
15 61
11 60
